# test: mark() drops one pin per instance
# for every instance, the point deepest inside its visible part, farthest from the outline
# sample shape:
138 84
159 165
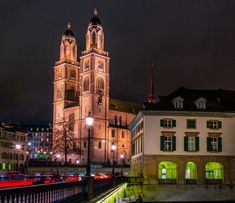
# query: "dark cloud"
192 43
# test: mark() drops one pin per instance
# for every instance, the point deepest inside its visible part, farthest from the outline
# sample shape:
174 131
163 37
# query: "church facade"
82 86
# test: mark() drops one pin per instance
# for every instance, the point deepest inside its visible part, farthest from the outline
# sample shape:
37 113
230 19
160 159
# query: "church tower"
94 88
66 89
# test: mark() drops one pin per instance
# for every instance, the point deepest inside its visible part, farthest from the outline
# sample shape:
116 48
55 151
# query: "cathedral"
82 86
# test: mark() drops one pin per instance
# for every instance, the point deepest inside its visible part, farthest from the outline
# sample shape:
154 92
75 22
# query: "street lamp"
18 147
113 147
122 159
89 123
77 162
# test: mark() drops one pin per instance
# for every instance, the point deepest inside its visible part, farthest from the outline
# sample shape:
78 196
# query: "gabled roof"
216 100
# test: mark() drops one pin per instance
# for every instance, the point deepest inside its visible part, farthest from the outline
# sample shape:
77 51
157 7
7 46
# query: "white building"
186 137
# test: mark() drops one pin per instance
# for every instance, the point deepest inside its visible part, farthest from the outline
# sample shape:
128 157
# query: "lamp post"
122 158
77 162
57 158
89 123
113 151
18 147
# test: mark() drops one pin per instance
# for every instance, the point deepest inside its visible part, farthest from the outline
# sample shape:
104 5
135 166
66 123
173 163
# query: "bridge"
85 190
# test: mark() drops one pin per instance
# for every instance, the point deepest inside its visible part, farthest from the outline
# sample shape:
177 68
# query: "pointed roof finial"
69 25
95 12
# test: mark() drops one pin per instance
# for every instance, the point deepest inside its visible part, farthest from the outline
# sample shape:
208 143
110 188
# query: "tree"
64 139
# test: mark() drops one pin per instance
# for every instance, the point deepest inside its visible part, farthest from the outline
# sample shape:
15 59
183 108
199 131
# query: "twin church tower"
82 87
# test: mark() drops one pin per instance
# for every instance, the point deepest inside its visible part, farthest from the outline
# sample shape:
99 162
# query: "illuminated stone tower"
66 88
94 90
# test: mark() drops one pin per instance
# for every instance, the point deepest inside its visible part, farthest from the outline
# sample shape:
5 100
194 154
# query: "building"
13 149
82 87
39 141
186 137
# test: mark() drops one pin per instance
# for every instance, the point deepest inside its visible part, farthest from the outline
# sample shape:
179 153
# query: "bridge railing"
44 193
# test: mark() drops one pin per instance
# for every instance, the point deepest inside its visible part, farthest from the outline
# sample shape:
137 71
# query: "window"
113 133
123 134
168 143
87 65
73 74
123 146
178 102
120 120
200 103
214 144
100 85
116 120
86 84
167 123
84 144
100 65
71 121
214 124
191 143
191 123
99 145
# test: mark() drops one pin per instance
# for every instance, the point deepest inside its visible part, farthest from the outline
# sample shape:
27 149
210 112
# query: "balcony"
167 181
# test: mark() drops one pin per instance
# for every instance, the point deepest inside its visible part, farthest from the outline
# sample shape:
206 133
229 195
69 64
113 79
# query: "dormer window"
178 103
200 103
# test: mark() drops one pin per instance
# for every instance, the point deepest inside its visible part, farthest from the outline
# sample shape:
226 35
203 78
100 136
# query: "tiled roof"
216 100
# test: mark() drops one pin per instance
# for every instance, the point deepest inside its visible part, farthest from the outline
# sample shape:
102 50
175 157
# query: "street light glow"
57 155
122 156
113 147
89 119
77 162
18 146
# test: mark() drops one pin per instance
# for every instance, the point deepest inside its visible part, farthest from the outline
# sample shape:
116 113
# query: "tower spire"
69 25
95 12
152 97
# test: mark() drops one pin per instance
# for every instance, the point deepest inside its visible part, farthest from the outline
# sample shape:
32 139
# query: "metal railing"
44 193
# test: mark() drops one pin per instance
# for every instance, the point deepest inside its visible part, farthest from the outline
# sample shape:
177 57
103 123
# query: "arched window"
214 170
100 85
71 121
10 155
167 170
86 84
93 40
191 171
99 145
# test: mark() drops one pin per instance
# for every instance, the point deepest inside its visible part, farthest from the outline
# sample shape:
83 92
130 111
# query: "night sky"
191 42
